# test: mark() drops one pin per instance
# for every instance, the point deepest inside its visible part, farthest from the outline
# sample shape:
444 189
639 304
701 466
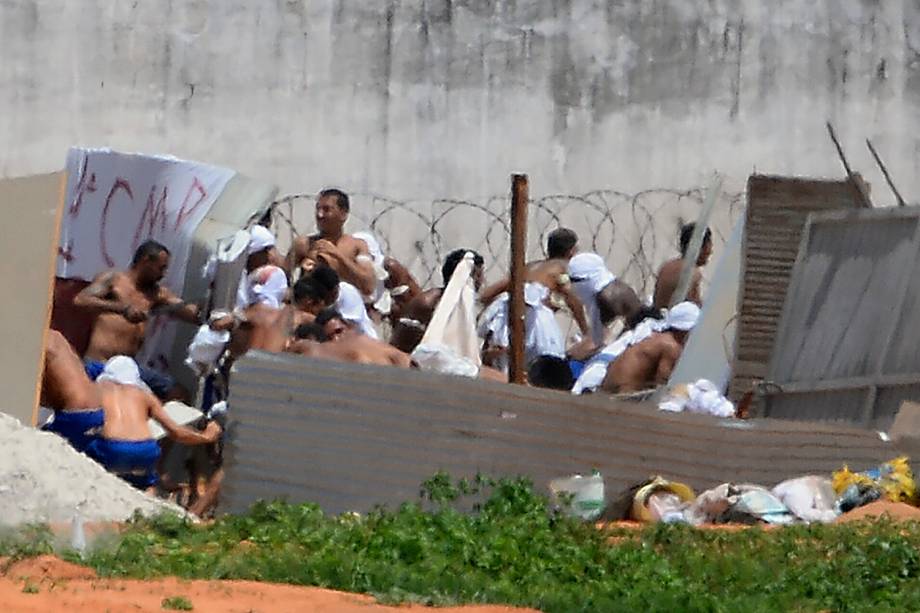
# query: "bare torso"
126 411
65 385
645 365
406 336
354 348
305 248
669 277
113 334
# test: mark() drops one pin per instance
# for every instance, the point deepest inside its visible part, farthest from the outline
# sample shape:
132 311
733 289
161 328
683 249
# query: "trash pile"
43 479
806 499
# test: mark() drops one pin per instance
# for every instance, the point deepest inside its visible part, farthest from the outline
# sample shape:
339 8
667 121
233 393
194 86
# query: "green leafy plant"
177 603
489 540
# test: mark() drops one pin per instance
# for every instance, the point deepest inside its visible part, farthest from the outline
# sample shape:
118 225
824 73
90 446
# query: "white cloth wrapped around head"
589 271
260 239
123 370
267 285
682 316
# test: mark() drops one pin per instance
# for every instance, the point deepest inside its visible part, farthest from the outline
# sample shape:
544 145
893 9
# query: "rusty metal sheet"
351 436
32 207
847 343
777 208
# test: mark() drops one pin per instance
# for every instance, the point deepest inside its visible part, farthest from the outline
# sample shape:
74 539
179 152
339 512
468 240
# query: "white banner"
115 201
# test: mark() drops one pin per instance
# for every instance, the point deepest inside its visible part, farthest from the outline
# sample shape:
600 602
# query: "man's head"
453 260
150 262
644 312
316 291
680 320
686 233
332 207
332 324
617 299
268 286
310 332
551 372
562 244
260 248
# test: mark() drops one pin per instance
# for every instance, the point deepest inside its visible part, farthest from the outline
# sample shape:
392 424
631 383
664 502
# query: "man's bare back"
415 317
354 348
65 384
644 365
669 277
127 409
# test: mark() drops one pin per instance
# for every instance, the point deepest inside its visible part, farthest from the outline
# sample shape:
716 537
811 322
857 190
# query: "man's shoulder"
671 266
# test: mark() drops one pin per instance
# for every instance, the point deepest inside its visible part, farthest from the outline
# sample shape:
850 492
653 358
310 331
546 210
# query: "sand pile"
896 511
43 479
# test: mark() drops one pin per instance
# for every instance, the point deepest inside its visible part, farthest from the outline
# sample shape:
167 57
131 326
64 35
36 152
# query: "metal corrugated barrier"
350 436
777 208
848 344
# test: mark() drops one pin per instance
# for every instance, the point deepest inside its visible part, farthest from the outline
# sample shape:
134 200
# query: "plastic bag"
810 498
442 359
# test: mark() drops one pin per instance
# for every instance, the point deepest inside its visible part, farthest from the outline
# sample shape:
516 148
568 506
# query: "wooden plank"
33 207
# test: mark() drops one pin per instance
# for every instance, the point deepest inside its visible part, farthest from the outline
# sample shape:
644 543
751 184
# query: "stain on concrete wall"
445 98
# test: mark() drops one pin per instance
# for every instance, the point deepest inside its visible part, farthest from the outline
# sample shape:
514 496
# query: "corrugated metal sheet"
350 436
848 344
33 207
777 208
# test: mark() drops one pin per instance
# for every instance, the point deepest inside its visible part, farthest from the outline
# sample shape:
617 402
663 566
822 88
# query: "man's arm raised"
357 269
173 306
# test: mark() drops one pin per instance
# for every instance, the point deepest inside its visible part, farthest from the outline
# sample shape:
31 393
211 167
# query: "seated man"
68 391
605 299
416 315
126 446
545 281
669 274
330 337
648 363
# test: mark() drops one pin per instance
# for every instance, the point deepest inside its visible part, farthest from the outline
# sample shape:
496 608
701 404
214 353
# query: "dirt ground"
47 583
897 511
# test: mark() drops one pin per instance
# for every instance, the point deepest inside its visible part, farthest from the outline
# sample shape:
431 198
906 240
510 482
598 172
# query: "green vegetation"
511 549
177 603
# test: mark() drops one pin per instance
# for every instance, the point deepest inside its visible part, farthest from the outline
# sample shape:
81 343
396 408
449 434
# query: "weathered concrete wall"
426 99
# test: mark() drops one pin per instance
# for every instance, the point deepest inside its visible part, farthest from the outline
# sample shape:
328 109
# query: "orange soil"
68 587
897 511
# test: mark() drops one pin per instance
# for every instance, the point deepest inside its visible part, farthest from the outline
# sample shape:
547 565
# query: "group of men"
325 298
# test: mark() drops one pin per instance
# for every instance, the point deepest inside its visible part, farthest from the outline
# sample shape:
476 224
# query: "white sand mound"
44 479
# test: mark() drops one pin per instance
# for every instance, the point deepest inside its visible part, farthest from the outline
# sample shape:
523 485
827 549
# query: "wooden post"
519 196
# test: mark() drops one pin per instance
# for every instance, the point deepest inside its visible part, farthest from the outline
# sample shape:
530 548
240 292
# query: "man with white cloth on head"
260 252
604 297
648 363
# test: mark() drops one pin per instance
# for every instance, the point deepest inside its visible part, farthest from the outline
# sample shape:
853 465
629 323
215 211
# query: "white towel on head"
267 285
122 370
682 316
350 305
260 239
589 275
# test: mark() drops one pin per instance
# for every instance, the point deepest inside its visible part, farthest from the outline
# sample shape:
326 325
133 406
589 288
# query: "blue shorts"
73 426
133 461
576 366
161 385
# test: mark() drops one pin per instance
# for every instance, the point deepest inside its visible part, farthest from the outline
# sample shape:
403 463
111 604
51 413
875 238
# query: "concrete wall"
425 99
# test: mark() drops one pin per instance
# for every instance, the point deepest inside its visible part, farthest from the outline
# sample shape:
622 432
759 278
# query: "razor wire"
634 233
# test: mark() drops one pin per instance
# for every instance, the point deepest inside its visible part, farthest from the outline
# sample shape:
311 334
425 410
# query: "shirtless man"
345 254
124 301
67 390
126 446
260 251
552 274
649 363
266 323
330 337
410 328
345 297
605 299
669 274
